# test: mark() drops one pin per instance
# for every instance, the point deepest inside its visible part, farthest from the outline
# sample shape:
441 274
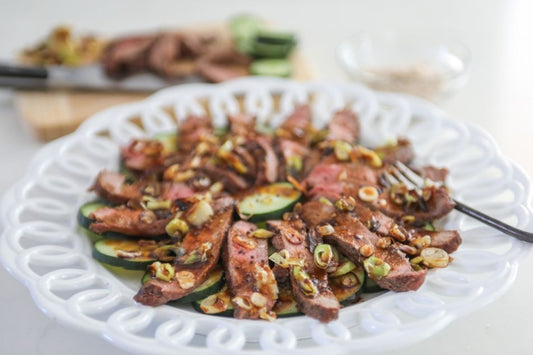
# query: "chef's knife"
90 77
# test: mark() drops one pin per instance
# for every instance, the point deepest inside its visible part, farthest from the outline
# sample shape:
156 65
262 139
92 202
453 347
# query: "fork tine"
389 179
411 185
402 178
499 225
411 175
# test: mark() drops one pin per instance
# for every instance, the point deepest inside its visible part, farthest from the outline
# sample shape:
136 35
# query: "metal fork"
400 173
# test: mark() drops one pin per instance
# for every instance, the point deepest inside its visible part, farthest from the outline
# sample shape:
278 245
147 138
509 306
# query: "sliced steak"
242 125
193 130
437 206
181 68
323 175
232 181
194 45
112 187
257 153
344 126
448 240
315 213
311 160
188 277
323 305
223 64
291 155
138 223
402 151
250 280
327 173
175 191
434 173
267 160
126 56
144 156
351 235
164 51
297 126
248 160
281 274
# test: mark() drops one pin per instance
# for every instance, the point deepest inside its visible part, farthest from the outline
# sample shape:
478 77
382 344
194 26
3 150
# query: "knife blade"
90 78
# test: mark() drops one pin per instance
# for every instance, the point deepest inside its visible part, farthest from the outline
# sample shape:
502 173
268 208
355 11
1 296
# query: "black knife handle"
26 78
23 72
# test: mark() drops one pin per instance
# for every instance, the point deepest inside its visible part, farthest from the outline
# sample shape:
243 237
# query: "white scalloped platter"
42 247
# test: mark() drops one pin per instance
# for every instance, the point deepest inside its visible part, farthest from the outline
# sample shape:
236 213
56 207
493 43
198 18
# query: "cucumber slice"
270 50
226 313
107 251
130 175
244 26
271 67
85 210
347 294
276 37
93 237
429 227
84 221
218 304
286 309
268 202
371 286
213 284
146 277
264 128
272 44
220 131
245 46
286 305
169 141
243 29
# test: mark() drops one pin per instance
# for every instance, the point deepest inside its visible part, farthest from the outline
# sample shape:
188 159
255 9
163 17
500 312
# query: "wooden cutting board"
50 115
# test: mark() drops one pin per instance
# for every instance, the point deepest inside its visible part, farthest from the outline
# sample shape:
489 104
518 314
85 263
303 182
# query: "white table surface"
498 97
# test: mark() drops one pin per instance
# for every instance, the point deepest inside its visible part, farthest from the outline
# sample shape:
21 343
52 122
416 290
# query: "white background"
498 97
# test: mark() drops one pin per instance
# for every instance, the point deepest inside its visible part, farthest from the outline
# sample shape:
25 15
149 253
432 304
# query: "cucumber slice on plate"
93 237
345 287
371 286
286 305
169 141
286 309
212 285
218 304
85 211
130 175
268 202
84 221
271 67
125 253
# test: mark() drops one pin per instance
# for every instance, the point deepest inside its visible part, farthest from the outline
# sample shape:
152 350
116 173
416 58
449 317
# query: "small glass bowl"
422 64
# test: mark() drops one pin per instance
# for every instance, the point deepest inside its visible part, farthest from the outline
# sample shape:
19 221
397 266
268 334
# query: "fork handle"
13 71
502 227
